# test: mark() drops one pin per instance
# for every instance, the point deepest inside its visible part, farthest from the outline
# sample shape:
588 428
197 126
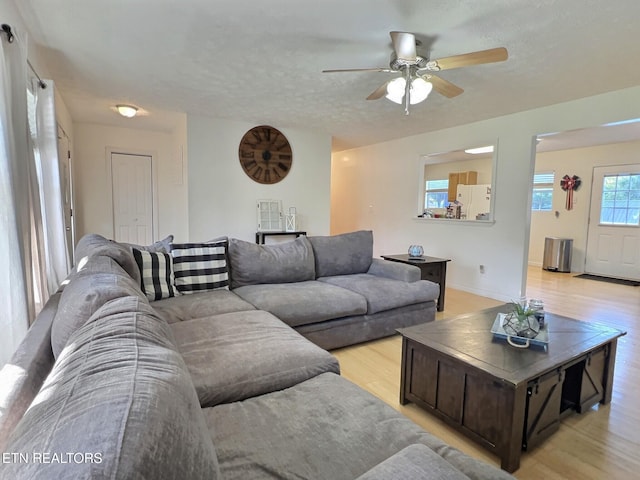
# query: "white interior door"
132 190
613 242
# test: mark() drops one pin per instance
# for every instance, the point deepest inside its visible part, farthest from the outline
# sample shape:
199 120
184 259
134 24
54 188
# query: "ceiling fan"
416 80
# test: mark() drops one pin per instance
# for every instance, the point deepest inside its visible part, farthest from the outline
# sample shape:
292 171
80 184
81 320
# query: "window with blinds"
542 197
436 194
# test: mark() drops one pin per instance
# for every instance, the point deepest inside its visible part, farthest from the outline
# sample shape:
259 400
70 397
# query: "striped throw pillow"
156 272
200 266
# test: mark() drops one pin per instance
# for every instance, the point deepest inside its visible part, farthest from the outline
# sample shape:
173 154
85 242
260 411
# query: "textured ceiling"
261 61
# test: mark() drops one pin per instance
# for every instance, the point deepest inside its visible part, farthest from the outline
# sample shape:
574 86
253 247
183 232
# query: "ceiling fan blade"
379 69
474 58
404 44
443 87
379 92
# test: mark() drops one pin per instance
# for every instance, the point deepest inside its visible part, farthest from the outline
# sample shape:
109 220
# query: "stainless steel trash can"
557 254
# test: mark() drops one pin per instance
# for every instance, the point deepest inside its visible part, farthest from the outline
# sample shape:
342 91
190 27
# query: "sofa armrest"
394 270
23 375
415 462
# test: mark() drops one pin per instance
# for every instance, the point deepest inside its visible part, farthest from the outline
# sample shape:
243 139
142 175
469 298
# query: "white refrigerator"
475 199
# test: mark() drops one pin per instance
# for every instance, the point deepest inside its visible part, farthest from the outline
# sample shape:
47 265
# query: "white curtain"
16 292
53 237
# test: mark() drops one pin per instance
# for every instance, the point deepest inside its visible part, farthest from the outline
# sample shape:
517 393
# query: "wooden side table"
260 236
433 269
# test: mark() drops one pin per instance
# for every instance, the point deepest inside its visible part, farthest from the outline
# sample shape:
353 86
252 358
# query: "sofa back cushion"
101 279
93 244
253 264
343 254
119 404
23 375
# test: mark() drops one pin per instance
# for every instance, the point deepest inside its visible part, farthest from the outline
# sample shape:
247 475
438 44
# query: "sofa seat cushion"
197 305
120 401
345 331
385 293
302 303
323 428
417 462
243 354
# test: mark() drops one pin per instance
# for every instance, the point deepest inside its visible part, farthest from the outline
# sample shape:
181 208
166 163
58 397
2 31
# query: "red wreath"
569 184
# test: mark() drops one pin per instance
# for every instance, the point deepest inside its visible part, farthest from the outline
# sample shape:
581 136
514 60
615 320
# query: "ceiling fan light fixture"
128 111
395 90
420 90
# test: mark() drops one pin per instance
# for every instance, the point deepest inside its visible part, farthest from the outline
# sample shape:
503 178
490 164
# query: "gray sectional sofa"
216 384
331 289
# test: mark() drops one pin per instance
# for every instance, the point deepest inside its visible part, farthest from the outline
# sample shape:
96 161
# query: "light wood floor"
603 443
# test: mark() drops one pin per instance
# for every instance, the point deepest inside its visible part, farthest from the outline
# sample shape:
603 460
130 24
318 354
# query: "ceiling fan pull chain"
407 90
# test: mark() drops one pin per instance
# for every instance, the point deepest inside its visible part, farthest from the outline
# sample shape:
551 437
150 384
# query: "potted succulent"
522 323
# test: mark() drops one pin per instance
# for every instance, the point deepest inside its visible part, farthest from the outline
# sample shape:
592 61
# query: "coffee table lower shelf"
505 415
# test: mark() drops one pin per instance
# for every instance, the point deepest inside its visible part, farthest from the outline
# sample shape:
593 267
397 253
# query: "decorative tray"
541 340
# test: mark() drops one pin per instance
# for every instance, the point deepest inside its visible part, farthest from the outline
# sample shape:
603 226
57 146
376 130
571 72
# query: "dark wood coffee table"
505 398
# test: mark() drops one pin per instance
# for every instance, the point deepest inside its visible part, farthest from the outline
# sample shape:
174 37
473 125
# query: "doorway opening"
595 156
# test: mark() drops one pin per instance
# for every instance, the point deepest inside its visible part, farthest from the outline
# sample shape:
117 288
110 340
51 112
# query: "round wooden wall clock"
265 154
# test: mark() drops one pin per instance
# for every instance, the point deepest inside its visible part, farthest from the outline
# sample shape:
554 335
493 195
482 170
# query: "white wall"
94 212
377 186
573 223
222 198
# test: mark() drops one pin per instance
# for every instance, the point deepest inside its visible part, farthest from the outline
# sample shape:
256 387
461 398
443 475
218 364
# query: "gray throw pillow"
163 245
93 244
253 264
343 254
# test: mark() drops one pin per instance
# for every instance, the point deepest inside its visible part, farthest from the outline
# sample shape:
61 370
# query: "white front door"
613 242
132 191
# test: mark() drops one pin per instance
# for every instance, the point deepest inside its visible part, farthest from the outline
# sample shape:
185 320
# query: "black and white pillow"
156 272
200 266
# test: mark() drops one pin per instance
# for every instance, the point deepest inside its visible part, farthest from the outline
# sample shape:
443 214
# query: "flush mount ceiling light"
128 111
477 151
